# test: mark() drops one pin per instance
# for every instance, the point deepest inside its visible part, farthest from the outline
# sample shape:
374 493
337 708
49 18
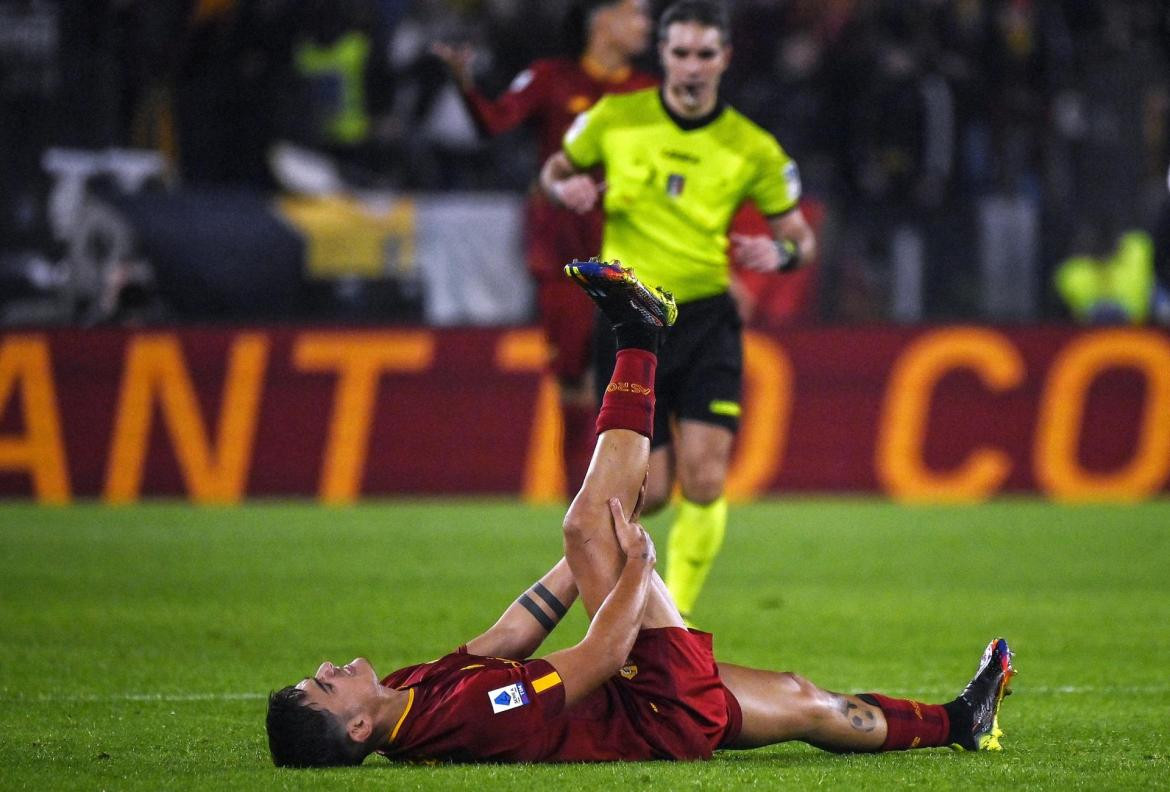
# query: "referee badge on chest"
674 184
506 698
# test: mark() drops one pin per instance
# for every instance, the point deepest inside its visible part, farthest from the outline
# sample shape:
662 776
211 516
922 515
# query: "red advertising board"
954 413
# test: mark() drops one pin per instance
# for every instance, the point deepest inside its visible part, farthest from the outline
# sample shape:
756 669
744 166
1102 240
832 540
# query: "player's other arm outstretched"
522 628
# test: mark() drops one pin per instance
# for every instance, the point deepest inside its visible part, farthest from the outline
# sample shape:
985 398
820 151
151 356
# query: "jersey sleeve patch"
508 697
792 179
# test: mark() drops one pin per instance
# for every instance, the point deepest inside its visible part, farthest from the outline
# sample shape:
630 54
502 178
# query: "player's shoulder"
440 666
749 134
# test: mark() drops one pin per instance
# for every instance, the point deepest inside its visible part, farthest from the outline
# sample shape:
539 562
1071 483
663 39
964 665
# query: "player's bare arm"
567 186
522 628
611 635
791 244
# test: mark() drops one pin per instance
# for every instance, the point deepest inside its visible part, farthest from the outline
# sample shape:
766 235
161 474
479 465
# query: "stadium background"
176 163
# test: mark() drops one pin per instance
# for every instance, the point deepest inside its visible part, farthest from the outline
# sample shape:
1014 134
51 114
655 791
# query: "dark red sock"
577 447
911 724
629 399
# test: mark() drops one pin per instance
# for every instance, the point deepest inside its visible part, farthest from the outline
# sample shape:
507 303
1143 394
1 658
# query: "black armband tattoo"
542 617
550 599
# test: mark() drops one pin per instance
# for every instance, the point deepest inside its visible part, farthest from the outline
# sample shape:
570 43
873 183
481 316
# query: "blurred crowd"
962 150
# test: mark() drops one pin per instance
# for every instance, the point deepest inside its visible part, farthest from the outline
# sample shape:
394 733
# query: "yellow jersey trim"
541 684
397 726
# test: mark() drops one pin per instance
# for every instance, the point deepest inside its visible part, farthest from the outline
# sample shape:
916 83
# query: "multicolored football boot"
620 295
981 699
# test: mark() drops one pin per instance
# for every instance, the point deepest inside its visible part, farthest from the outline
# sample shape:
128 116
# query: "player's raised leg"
624 426
778 707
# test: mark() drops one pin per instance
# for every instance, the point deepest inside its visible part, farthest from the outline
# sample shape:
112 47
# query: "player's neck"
392 709
605 63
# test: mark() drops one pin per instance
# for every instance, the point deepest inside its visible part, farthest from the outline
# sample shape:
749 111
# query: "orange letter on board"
156 372
359 358
767 379
902 433
24 362
1062 411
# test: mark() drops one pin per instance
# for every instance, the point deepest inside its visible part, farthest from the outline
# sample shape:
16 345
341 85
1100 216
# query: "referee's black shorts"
700 366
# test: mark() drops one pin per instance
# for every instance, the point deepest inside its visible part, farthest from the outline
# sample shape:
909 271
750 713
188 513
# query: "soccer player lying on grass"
640 685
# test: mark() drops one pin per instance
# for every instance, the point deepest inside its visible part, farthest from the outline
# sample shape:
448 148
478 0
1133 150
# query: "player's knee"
816 705
579 522
703 484
701 478
799 692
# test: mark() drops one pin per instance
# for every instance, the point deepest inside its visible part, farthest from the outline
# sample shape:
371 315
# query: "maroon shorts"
690 712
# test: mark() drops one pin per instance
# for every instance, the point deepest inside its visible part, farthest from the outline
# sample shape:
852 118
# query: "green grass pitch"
137 643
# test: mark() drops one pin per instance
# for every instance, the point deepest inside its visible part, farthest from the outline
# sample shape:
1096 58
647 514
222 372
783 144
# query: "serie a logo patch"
506 698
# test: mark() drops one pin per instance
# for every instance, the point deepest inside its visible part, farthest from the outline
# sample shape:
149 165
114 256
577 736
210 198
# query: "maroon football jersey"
668 703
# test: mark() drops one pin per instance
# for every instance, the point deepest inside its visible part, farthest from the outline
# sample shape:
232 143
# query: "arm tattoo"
550 600
545 621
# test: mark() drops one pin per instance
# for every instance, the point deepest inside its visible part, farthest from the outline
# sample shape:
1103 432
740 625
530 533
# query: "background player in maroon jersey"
550 93
639 685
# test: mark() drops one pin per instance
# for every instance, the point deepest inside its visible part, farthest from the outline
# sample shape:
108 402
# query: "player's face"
341 690
627 23
694 58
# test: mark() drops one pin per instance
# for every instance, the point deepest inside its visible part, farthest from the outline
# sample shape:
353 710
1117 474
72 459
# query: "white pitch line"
114 697
1021 686
99 698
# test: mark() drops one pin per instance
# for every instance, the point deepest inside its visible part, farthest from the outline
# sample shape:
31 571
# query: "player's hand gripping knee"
631 536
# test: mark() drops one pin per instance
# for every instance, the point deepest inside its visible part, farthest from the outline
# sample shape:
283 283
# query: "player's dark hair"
575 30
708 13
301 736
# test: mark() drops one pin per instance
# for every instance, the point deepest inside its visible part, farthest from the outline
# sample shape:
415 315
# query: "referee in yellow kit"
678 162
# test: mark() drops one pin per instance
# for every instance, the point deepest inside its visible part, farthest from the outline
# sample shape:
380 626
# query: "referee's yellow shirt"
671 192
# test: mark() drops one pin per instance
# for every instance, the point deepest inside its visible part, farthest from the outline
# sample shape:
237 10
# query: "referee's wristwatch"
789 255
